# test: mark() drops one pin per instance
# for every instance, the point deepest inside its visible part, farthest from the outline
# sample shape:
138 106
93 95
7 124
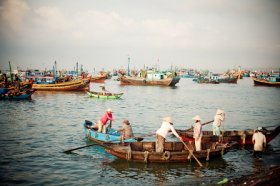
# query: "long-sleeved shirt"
127 130
197 130
107 116
165 128
218 119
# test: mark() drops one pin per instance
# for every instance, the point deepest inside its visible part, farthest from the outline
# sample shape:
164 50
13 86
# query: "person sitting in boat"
17 84
126 130
197 132
103 90
219 118
259 141
162 132
102 122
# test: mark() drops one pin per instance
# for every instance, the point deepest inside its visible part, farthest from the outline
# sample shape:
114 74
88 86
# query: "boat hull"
65 86
240 137
125 80
175 152
112 136
106 96
263 82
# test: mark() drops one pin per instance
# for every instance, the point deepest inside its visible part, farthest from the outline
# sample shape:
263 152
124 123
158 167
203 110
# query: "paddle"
201 125
191 153
69 150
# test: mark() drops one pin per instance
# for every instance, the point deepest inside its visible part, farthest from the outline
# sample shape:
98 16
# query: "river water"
35 133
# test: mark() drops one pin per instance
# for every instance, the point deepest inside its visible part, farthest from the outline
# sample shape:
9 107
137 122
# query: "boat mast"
128 72
12 79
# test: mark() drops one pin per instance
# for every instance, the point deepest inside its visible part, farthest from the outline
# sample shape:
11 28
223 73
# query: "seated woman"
126 130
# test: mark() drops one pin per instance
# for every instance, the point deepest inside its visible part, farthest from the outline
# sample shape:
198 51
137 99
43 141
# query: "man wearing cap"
259 141
197 132
219 118
162 132
126 130
102 122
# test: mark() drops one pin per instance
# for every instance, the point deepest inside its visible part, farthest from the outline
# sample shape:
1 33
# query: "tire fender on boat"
166 155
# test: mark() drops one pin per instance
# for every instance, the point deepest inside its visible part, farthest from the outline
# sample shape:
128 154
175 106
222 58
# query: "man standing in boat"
162 132
259 141
197 133
219 118
102 122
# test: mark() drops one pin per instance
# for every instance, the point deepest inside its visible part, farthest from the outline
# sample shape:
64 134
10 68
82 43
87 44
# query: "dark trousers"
257 154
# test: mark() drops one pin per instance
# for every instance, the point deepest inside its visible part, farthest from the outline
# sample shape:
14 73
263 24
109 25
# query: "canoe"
64 86
127 80
264 82
11 95
242 137
112 136
174 152
106 96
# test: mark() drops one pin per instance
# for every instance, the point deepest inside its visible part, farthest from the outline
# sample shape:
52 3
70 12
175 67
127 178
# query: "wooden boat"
174 152
242 137
104 96
12 95
170 81
272 82
64 86
100 78
112 136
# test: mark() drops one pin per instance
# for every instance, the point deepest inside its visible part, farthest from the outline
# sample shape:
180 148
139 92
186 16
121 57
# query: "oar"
69 150
201 125
191 153
140 138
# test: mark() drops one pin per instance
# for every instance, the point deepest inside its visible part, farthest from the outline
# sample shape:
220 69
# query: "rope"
208 152
128 155
146 155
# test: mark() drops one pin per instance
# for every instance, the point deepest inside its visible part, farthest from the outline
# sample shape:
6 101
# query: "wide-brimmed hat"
109 110
220 111
126 121
168 119
196 118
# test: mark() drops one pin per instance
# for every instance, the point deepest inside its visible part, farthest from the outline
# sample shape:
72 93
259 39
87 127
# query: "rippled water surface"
35 133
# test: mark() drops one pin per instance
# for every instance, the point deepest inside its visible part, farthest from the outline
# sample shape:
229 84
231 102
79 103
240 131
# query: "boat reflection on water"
164 172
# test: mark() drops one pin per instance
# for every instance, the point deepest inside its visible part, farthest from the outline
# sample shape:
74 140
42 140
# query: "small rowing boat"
174 151
105 95
242 137
111 136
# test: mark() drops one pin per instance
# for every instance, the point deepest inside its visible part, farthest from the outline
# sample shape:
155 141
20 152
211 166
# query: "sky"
102 34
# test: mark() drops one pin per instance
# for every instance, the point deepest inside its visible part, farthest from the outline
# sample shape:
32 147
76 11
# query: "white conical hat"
168 119
220 111
196 118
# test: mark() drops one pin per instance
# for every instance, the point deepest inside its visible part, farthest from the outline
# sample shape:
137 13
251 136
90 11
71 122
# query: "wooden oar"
69 150
201 125
139 138
200 164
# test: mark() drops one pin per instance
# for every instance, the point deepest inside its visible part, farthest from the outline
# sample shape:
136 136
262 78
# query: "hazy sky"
202 34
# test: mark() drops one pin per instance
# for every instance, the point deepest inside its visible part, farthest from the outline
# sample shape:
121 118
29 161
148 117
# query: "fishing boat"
100 78
271 81
63 86
141 81
13 95
106 95
174 152
111 136
241 137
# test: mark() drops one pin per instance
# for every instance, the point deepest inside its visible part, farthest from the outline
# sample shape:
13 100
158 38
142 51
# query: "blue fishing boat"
112 136
11 95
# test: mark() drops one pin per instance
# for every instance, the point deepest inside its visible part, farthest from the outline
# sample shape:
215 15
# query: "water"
34 134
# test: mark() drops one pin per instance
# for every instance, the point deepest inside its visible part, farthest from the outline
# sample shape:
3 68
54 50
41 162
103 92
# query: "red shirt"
107 116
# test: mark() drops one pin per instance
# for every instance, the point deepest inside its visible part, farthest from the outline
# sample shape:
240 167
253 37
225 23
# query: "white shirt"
165 128
258 139
218 119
